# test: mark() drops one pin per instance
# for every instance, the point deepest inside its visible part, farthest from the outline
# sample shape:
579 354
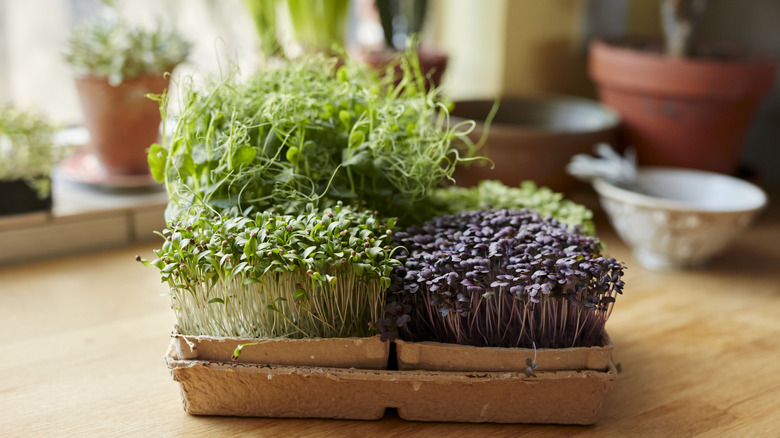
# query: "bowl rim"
607 189
611 118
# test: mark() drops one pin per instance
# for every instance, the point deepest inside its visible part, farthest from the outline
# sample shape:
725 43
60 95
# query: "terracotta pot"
122 122
433 62
437 356
17 197
257 390
367 353
534 138
681 112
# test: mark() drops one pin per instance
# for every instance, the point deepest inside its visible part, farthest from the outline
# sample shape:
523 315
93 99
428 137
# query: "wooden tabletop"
83 339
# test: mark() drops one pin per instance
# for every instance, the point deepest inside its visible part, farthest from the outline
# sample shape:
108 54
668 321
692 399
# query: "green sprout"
309 131
238 274
496 195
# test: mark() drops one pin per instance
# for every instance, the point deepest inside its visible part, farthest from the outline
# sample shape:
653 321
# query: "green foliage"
263 14
115 49
318 24
309 131
317 274
27 148
496 195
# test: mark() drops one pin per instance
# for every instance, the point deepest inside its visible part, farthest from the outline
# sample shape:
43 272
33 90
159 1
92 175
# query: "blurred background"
495 47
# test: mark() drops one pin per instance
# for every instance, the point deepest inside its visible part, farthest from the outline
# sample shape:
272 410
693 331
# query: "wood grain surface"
83 339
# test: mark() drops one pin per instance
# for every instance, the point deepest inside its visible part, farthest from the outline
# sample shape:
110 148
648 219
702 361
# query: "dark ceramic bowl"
534 138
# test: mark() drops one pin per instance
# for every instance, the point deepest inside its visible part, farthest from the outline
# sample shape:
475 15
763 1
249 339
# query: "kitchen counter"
84 338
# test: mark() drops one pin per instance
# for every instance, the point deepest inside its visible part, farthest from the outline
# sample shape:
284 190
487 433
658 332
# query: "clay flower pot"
122 122
433 62
681 112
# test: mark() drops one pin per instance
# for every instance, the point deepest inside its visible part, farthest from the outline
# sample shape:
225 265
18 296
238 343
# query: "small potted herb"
402 25
302 289
27 157
117 67
510 279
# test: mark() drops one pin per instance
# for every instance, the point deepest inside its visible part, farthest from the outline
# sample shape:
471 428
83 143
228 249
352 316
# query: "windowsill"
83 218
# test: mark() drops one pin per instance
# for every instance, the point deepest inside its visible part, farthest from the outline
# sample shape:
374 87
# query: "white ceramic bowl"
683 217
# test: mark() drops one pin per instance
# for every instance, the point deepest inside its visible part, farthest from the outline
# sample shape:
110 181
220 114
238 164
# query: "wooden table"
83 340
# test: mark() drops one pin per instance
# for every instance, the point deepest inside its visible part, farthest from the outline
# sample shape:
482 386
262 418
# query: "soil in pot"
534 138
684 112
122 122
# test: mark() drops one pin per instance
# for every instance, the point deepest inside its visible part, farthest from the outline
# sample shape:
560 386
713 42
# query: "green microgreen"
238 274
495 195
314 130
27 149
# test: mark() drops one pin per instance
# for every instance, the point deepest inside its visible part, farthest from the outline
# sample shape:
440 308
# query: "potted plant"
402 24
317 26
682 107
117 67
27 157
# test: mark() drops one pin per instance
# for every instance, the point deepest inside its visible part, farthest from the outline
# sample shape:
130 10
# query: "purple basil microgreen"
532 365
505 278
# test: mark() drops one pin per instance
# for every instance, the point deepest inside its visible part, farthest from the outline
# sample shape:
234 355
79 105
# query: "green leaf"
374 252
293 155
299 293
216 300
156 158
243 156
307 252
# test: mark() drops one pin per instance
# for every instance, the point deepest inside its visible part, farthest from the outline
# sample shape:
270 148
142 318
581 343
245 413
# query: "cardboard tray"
436 356
243 389
365 353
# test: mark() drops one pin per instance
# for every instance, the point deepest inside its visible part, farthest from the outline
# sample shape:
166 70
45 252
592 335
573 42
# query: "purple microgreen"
504 278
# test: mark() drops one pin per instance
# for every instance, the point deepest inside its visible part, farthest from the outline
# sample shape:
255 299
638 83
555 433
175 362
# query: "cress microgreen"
244 274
